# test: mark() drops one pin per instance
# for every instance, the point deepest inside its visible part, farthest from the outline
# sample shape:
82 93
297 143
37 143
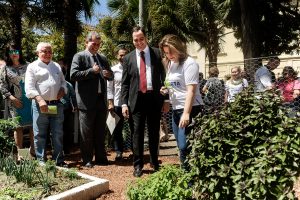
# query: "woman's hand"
16 102
184 120
164 90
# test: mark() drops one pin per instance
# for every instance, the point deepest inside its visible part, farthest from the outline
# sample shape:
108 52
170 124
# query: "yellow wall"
231 56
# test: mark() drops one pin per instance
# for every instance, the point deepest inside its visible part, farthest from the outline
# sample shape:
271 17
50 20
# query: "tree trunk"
250 43
70 35
212 47
17 25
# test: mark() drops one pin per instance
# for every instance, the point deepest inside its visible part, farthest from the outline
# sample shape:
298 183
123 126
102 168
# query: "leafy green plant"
30 173
23 171
45 179
11 193
170 183
71 174
6 136
248 150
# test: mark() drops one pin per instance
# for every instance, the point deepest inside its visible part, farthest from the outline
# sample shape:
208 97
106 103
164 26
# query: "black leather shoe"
156 168
89 165
62 164
102 163
119 156
137 172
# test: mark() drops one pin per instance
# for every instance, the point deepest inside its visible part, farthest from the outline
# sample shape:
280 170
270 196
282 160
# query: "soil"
120 173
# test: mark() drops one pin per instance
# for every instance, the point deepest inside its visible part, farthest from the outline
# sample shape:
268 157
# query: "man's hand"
125 112
42 104
17 102
106 73
110 105
96 68
60 93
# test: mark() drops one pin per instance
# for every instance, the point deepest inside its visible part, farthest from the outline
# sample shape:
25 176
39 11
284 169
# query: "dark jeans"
68 129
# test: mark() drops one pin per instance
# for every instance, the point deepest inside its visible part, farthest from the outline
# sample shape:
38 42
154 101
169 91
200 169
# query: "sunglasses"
17 52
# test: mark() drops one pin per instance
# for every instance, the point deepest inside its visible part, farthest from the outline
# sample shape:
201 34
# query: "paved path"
168 148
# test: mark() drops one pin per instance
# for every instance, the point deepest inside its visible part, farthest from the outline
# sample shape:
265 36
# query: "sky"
99 10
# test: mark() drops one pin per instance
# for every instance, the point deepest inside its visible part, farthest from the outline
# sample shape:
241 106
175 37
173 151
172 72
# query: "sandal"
20 158
32 152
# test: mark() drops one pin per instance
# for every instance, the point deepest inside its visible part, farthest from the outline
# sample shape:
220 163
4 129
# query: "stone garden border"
90 190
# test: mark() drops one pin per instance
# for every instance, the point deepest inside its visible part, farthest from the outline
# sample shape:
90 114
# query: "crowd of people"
139 88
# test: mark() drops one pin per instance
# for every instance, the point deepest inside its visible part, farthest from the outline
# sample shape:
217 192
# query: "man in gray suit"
90 70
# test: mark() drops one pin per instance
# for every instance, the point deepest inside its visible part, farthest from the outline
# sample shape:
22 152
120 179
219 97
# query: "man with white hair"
45 85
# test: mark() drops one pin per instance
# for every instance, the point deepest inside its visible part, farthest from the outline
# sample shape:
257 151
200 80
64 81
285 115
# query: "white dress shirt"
114 86
44 80
148 66
263 79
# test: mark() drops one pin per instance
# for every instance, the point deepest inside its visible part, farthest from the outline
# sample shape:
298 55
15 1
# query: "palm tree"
125 18
263 27
205 26
13 12
192 20
65 15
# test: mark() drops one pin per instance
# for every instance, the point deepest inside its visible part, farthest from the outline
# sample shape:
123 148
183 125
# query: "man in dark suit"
90 70
143 76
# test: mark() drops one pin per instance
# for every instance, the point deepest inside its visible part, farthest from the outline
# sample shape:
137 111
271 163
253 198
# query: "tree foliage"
13 14
263 27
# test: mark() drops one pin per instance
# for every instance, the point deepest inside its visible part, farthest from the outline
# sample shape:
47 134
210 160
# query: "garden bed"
56 183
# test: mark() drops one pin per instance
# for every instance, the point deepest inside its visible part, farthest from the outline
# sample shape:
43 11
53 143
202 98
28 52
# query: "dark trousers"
117 134
68 129
92 132
145 111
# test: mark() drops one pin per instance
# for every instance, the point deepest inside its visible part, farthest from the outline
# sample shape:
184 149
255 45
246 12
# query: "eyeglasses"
46 51
17 52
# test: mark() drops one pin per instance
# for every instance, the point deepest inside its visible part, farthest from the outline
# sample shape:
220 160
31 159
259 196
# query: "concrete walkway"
168 148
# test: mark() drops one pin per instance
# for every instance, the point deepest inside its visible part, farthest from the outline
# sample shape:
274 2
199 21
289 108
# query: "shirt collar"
146 50
89 53
120 65
42 63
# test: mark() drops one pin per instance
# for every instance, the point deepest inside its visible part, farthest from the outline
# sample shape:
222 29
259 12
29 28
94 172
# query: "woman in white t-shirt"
181 84
235 84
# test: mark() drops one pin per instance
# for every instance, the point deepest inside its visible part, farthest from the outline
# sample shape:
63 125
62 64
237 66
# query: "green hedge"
6 135
170 183
249 150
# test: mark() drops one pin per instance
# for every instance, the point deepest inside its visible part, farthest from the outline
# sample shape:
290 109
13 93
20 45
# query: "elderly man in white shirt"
45 85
